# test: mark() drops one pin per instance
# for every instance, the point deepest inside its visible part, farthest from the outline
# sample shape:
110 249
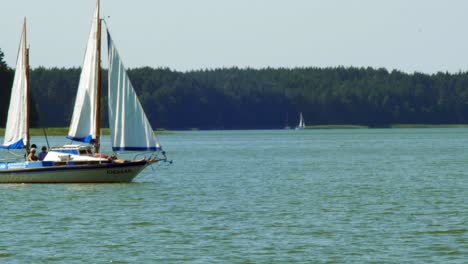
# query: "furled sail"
16 136
129 126
83 122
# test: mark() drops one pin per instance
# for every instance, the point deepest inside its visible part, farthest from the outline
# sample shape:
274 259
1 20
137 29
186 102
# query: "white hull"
96 173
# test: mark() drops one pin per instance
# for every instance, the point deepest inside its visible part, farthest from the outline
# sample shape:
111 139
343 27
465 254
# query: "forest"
246 98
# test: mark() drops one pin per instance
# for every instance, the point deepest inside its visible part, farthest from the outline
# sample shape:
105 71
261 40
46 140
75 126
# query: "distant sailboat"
301 122
286 125
130 128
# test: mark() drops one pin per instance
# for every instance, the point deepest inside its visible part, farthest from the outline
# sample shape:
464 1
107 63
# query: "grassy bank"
63 131
429 126
336 127
389 126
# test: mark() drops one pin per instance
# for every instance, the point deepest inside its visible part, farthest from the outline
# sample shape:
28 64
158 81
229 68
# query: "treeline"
233 98
6 79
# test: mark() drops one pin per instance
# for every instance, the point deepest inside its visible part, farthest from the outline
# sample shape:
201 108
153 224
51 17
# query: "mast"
28 93
98 94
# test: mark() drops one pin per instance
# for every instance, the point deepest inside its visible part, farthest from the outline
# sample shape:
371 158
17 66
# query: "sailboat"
286 123
301 122
84 163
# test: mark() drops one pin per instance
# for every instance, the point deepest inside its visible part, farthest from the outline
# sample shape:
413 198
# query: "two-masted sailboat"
129 127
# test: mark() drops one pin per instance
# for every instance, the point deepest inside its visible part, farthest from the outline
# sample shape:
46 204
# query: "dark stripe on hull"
92 173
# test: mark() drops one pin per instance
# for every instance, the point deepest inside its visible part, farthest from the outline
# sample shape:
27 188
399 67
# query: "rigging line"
46 138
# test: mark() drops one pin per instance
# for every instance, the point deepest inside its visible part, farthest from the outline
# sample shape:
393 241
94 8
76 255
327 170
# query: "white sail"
83 122
301 121
129 126
16 135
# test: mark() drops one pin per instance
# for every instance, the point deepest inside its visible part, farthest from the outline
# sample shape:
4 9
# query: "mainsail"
301 121
83 123
16 132
129 126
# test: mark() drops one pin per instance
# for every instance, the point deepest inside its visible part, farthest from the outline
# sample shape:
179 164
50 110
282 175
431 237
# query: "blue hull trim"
87 139
17 145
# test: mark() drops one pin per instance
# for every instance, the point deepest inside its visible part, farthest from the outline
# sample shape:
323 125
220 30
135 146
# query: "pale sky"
410 35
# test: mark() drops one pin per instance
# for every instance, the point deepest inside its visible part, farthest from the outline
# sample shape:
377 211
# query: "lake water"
322 196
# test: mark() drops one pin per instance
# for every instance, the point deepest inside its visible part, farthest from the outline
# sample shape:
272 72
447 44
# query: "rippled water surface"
335 196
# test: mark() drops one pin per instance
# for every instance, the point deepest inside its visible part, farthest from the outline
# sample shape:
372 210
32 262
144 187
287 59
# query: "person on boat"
43 153
32 155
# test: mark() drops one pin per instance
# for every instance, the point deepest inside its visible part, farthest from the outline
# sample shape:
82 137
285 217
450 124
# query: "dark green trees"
234 98
6 79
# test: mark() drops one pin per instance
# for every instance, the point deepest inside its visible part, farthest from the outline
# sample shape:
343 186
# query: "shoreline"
388 126
63 131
